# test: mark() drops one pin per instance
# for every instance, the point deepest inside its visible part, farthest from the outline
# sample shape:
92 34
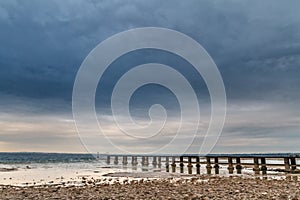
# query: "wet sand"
201 187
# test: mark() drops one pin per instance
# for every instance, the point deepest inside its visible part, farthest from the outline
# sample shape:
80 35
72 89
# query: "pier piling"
216 165
230 165
145 163
159 161
146 160
208 165
154 161
190 166
134 161
108 159
263 166
293 165
198 165
173 164
124 160
256 166
181 164
167 164
287 166
238 166
116 161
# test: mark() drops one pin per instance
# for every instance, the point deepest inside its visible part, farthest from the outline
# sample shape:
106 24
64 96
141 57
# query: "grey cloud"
255 44
48 40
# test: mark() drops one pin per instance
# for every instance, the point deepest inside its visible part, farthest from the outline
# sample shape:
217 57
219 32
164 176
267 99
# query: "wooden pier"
235 162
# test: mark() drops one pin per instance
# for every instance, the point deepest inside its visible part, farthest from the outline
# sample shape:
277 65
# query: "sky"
255 45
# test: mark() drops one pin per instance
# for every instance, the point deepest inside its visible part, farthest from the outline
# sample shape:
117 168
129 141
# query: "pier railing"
235 162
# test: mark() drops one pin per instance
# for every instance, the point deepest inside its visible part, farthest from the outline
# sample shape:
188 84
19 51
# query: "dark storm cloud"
255 44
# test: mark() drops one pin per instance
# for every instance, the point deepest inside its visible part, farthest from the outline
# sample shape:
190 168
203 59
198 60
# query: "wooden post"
154 161
190 166
108 159
173 164
134 161
143 161
287 166
256 166
116 161
181 164
263 166
293 165
159 161
208 165
198 164
238 166
167 164
146 160
125 160
230 165
216 166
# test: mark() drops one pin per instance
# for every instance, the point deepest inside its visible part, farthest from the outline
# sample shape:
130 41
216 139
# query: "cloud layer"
255 44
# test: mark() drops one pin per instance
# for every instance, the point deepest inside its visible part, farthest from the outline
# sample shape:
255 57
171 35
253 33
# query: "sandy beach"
201 187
